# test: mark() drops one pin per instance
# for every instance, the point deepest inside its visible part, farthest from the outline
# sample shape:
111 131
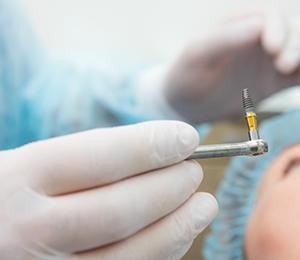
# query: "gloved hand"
259 50
115 193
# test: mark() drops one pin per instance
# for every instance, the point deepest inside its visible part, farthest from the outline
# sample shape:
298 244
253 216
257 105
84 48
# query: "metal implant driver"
255 145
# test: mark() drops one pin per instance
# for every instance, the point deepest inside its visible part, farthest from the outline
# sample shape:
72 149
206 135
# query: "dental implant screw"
250 115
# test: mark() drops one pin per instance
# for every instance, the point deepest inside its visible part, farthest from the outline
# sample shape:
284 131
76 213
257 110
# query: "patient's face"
273 231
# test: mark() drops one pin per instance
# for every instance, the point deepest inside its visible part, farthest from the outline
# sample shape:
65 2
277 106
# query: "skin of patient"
273 230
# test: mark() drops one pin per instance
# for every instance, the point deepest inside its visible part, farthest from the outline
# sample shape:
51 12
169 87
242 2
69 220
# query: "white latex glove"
259 50
116 193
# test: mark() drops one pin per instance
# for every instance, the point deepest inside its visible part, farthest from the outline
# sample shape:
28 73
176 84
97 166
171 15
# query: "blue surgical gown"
41 97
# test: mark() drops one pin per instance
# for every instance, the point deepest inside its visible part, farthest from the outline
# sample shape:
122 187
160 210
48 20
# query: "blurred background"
141 31
137 30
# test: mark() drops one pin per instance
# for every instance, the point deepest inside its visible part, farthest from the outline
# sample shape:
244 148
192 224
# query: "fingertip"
167 142
272 42
209 202
188 136
196 172
272 47
286 64
274 32
204 209
289 58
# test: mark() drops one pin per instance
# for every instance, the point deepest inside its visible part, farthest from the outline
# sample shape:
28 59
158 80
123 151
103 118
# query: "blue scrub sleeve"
41 98
19 60
66 98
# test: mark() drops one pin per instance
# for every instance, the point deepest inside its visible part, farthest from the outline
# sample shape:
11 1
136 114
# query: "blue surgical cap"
237 192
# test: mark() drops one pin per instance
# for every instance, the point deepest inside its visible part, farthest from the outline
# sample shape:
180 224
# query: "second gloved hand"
258 50
115 193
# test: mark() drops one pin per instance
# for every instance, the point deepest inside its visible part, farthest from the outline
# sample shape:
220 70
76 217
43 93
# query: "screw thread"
247 101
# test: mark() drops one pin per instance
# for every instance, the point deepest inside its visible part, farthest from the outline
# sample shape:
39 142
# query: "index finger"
98 157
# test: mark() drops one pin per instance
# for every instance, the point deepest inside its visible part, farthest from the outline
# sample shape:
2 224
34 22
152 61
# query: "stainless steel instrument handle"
248 148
